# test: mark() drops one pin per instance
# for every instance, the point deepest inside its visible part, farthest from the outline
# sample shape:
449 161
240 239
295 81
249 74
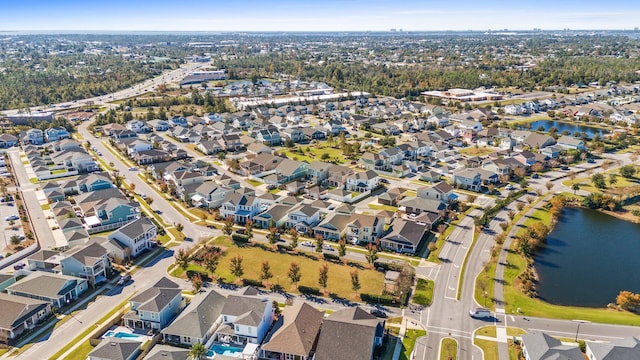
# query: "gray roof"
621 349
158 296
87 254
248 310
404 230
198 317
541 346
47 285
165 352
16 309
296 330
136 228
347 334
115 349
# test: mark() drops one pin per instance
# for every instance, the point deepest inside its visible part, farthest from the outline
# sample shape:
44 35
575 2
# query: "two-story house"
155 307
240 207
362 181
441 191
351 333
33 137
358 228
197 322
137 126
295 334
137 236
56 133
468 179
303 218
137 146
245 319
208 194
318 171
89 261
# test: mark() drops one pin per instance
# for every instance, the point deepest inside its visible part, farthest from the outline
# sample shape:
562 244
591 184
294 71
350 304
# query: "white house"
363 181
138 235
245 319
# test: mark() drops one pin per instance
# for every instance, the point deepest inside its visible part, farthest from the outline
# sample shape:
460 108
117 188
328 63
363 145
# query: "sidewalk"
403 331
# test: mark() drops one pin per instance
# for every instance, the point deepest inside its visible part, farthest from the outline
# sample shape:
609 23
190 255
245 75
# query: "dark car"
124 279
378 313
535 176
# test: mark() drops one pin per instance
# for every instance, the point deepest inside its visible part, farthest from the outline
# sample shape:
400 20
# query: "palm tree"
575 187
198 351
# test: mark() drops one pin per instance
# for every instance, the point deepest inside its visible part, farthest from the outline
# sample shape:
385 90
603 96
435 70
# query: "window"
237 327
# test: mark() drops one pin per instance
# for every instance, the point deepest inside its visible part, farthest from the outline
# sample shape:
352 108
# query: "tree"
372 253
575 187
196 281
15 240
613 179
355 281
511 214
342 246
598 181
319 243
183 259
227 228
294 274
272 236
235 266
628 300
198 351
179 227
265 272
628 171
211 260
323 276
248 229
548 185
294 237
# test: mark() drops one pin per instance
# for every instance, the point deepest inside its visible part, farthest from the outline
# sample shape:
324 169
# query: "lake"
589 258
571 128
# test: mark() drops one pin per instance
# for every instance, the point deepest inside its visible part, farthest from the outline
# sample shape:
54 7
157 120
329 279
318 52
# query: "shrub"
308 290
252 282
331 257
375 299
284 247
240 239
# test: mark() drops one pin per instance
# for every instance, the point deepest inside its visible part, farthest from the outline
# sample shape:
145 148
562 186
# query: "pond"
589 258
563 126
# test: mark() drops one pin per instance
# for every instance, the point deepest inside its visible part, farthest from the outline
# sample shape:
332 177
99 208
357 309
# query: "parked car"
328 247
509 187
535 176
18 266
378 313
124 279
11 217
307 243
565 168
591 161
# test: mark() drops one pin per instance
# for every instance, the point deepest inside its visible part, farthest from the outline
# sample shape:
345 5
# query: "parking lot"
7 230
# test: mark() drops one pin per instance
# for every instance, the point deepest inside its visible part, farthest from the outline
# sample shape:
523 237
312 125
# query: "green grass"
488 277
424 292
59 171
383 207
339 275
253 182
45 206
514 331
489 331
314 152
409 342
394 320
448 349
176 234
88 331
33 180
489 348
81 352
480 151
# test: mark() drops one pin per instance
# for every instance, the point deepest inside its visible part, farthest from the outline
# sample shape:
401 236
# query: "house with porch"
20 314
405 236
351 333
358 228
57 289
197 322
572 143
137 236
89 261
362 181
154 308
113 348
276 215
240 207
208 194
303 218
245 319
441 191
468 179
56 133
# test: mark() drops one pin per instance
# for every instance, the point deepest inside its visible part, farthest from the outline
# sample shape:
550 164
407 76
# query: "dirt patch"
623 215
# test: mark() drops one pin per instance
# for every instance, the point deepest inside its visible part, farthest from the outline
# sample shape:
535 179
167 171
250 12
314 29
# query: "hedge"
377 299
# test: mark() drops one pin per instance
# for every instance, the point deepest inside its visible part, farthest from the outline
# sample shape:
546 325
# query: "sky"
313 15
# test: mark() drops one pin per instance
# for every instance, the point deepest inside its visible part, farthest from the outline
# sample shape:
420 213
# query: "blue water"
121 335
571 128
223 350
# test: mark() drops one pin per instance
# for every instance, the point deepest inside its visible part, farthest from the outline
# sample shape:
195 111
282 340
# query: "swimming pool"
121 335
223 350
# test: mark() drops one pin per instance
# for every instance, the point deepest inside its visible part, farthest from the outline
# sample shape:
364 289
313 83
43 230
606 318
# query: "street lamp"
485 299
578 329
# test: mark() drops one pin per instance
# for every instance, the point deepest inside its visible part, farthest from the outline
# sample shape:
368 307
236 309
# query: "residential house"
246 319
552 151
8 141
468 179
269 136
337 175
416 206
165 352
20 314
120 135
153 156
44 260
290 170
526 158
137 126
138 145
57 289
405 236
295 334
89 261
358 228
178 121
155 307
295 134
362 181
570 142
538 141
240 207
113 348
303 218
75 160
158 125
318 171
56 133
374 161
441 191
276 215
334 127
110 129
197 322
627 348
210 147
138 236
351 334
181 133
208 194
258 148
33 137
540 346
313 133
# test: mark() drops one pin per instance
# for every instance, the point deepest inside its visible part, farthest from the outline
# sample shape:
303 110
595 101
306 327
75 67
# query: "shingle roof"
248 310
16 309
198 317
137 227
296 331
115 349
347 334
45 284
165 352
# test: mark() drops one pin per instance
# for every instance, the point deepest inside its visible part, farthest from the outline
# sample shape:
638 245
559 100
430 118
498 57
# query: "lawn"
339 275
382 207
81 352
448 349
409 342
59 171
489 331
488 277
489 348
253 182
424 292
514 331
477 151
45 206
311 153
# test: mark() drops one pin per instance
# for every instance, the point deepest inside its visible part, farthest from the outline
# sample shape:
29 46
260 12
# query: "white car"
307 243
